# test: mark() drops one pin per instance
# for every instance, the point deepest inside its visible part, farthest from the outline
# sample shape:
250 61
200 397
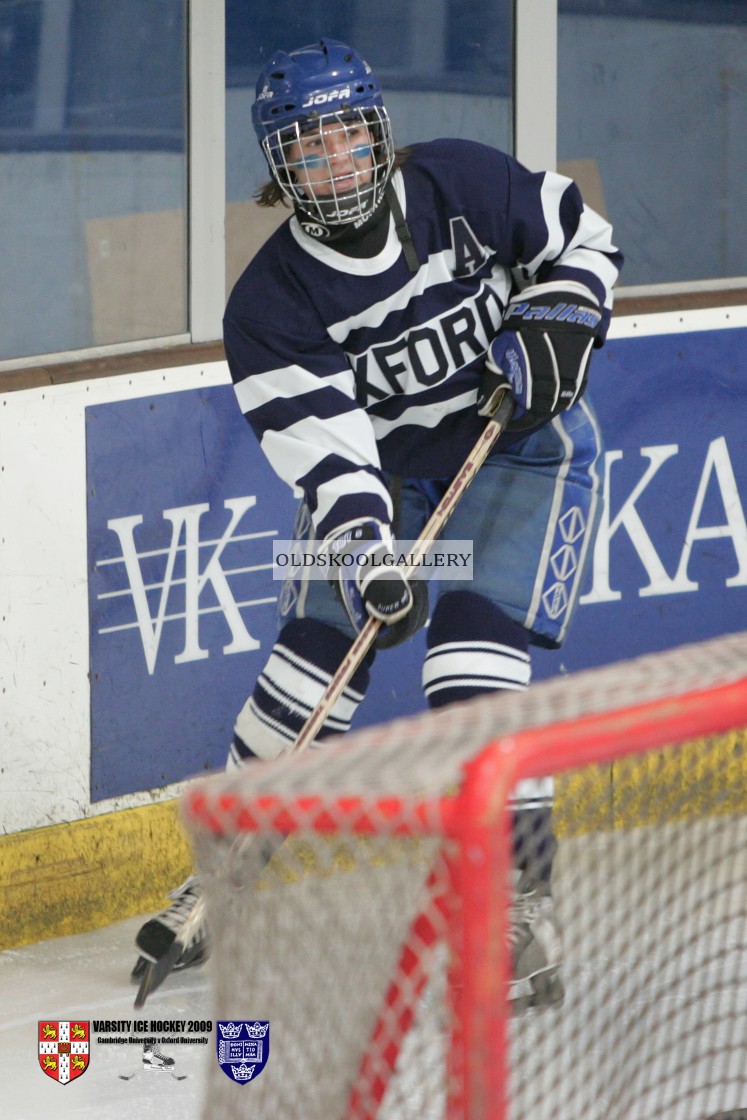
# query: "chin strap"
332 233
403 231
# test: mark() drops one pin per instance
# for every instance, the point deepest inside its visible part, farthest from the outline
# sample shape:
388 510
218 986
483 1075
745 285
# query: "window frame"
535 144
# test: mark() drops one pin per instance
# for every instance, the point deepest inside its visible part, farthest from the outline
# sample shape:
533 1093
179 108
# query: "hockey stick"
157 971
431 532
500 416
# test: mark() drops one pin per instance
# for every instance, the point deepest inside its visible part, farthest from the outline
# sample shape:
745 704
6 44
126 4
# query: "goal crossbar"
524 754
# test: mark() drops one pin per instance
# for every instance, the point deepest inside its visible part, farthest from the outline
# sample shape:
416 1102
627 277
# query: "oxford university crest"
243 1048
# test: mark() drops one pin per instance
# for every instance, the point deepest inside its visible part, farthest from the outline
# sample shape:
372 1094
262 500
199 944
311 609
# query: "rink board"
108 709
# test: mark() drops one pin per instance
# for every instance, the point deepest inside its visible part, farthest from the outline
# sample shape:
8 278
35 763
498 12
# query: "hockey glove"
542 352
365 575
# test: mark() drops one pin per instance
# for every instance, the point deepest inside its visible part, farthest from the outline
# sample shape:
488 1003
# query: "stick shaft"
430 533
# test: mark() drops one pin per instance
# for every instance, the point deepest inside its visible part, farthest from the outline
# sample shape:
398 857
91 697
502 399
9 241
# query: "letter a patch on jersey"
469 254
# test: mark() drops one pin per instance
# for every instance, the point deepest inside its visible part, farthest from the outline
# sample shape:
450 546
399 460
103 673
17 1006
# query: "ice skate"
154 1058
175 939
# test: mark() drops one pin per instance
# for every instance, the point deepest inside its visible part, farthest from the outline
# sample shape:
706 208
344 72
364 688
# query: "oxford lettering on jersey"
716 475
200 565
429 353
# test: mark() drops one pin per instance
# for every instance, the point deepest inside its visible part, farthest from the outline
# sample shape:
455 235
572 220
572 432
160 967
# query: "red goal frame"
475 820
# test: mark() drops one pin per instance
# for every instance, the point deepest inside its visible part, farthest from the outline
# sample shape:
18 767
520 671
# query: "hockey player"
367 341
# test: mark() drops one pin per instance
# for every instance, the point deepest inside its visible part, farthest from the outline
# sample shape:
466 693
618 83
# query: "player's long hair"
270 193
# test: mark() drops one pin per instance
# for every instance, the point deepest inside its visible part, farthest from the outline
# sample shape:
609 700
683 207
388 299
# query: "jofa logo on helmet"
323 98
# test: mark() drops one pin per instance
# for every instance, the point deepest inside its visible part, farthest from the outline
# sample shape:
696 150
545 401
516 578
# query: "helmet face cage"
334 166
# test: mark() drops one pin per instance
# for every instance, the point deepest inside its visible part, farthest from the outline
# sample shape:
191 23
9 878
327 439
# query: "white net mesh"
376 943
314 950
654 1023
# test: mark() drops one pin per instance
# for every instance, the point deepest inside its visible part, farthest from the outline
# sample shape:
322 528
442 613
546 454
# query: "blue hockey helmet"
326 89
296 87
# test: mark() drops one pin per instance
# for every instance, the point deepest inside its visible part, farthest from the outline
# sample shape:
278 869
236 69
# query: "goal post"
376 939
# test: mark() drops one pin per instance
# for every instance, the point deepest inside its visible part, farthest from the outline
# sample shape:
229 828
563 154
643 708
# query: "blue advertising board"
183 509
670 562
182 512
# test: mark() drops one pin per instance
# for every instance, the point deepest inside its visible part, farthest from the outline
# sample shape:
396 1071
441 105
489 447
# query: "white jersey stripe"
464 664
295 452
287 382
486 682
553 188
283 656
584 258
330 492
424 416
435 271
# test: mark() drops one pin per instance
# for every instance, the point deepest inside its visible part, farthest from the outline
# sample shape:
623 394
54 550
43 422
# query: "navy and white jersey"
347 367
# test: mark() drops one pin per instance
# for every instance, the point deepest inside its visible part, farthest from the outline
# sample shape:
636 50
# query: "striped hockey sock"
301 665
473 648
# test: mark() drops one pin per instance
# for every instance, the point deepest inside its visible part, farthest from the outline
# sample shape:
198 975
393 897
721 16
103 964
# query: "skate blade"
155 974
141 964
166 1069
139 970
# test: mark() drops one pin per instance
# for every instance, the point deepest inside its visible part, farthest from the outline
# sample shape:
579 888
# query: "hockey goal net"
376 940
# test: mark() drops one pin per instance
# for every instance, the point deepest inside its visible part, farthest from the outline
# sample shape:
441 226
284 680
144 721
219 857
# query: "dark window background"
652 106
20 26
118 77
112 74
689 11
466 47
93 176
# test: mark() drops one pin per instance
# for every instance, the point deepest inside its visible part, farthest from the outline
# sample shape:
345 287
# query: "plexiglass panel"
445 67
92 173
652 107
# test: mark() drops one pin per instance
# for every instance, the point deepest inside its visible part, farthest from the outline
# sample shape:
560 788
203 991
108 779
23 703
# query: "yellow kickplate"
80 876
74 877
686 781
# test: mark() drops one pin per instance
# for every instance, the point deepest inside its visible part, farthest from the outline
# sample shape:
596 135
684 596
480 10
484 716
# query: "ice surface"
87 977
